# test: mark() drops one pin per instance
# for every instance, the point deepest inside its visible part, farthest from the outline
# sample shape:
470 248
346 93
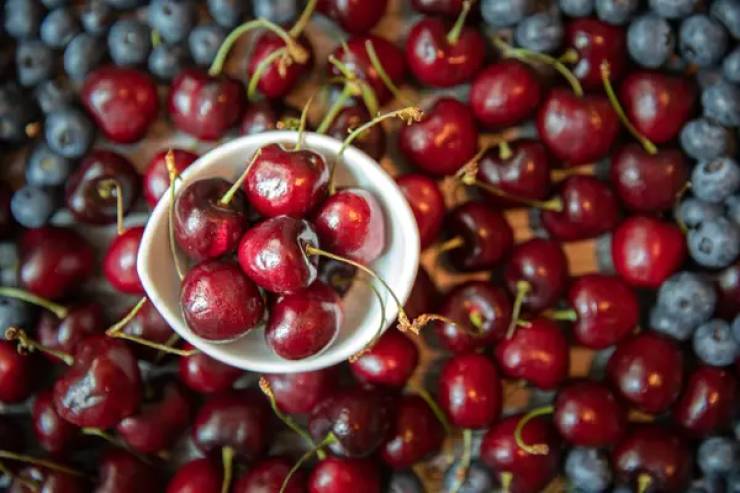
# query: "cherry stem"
504 150
169 343
27 459
569 56
561 174
522 289
566 315
452 244
438 413
26 345
106 188
378 333
335 108
23 295
454 35
262 67
31 485
538 448
224 201
644 482
677 203
266 389
614 100
529 56
328 440
169 160
302 21
302 124
387 81
116 442
476 320
462 468
506 478
227 460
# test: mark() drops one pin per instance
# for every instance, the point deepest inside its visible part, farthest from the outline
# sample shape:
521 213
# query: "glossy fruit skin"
504 94
103 386
15 374
481 312
351 223
438 7
47 481
339 475
203 106
648 183
588 414
469 391
197 476
596 41
728 287
709 399
156 176
54 434
537 353
372 141
543 265
657 451
647 371
64 335
121 472
259 117
530 472
426 202
122 101
268 475
606 307
444 139
415 433
389 363
119 264
487 236
646 251
299 393
354 16
275 83
148 324
205 375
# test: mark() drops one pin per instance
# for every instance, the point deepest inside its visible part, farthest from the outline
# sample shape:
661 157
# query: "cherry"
655 458
354 16
587 414
81 321
371 141
537 352
469 391
268 475
542 265
594 42
239 419
415 433
16 374
157 178
589 208
647 371
648 182
646 250
147 324
206 375
438 7
102 387
728 290
11 435
260 116
481 313
339 475
390 362
505 93
219 302
119 263
481 237
91 192
658 104
424 295
46 481
708 400
52 432
203 106
121 472
339 275
444 139
277 79
299 393
426 202
122 101
197 476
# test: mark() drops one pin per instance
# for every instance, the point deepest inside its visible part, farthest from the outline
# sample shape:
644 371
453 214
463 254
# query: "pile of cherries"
613 122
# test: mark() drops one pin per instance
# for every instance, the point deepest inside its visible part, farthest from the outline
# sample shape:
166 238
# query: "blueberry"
715 180
54 94
45 168
704 140
728 13
82 55
689 297
405 482
616 12
693 211
129 42
702 40
736 332
707 77
96 17
226 13
542 32
34 62
166 61
673 9
477 480
123 4
715 243
33 206
52 4
733 481
588 469
650 40
717 456
22 18
8 254
204 41
577 8
731 66
713 343
665 322
721 102
69 132
732 204
503 13
277 11
16 113
59 27
172 19
14 313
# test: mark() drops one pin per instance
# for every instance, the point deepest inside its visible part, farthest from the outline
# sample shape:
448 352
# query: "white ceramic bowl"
362 315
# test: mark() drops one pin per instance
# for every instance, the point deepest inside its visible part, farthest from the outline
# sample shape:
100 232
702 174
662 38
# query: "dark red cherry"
239 419
84 196
647 371
596 42
260 116
504 94
197 476
588 414
354 16
543 265
648 182
371 141
219 302
278 78
646 250
273 254
388 363
339 475
7 222
708 402
64 335
414 434
486 236
46 481
268 475
156 176
469 391
11 434
444 139
657 453
119 263
16 374
52 432
206 375
121 472
203 106
147 324
339 275
206 227
438 7
122 101
658 104
426 202
728 290
424 295
530 473
537 353
481 312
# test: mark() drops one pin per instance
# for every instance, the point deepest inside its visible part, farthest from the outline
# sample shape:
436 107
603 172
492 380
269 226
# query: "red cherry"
388 363
119 264
543 265
424 295
147 324
426 202
157 178
16 374
197 476
646 250
595 42
121 472
354 16
52 432
339 475
438 7
505 94
268 475
371 141
299 393
206 375
203 106
470 391
122 101
11 434
587 414
708 402
485 234
64 335
728 287
277 80
444 139
46 481
415 433
647 371
260 116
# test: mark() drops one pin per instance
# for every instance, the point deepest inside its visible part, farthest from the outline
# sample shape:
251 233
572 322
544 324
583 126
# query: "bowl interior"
362 314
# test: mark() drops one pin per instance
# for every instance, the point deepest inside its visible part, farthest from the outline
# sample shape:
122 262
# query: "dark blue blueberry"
702 40
124 4
733 481
405 482
650 40
129 42
704 140
732 204
692 211
59 27
715 180
689 297
736 332
204 41
541 32
96 17
82 55
714 345
22 18
69 132
717 456
277 11
52 4
34 62
721 102
477 480
708 77
588 469
503 13
728 13
32 206
665 322
45 168
715 243
16 113
172 19
616 12
166 61
54 94
731 66
577 8
226 13
673 9
14 313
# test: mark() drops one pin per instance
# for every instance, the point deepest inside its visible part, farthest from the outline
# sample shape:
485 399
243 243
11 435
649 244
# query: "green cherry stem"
328 440
454 35
505 478
438 413
28 459
462 468
302 124
261 69
504 150
224 201
334 109
378 66
266 389
107 188
27 483
538 448
644 482
302 21
378 333
20 294
169 160
565 315
227 461
26 345
522 289
115 441
452 244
